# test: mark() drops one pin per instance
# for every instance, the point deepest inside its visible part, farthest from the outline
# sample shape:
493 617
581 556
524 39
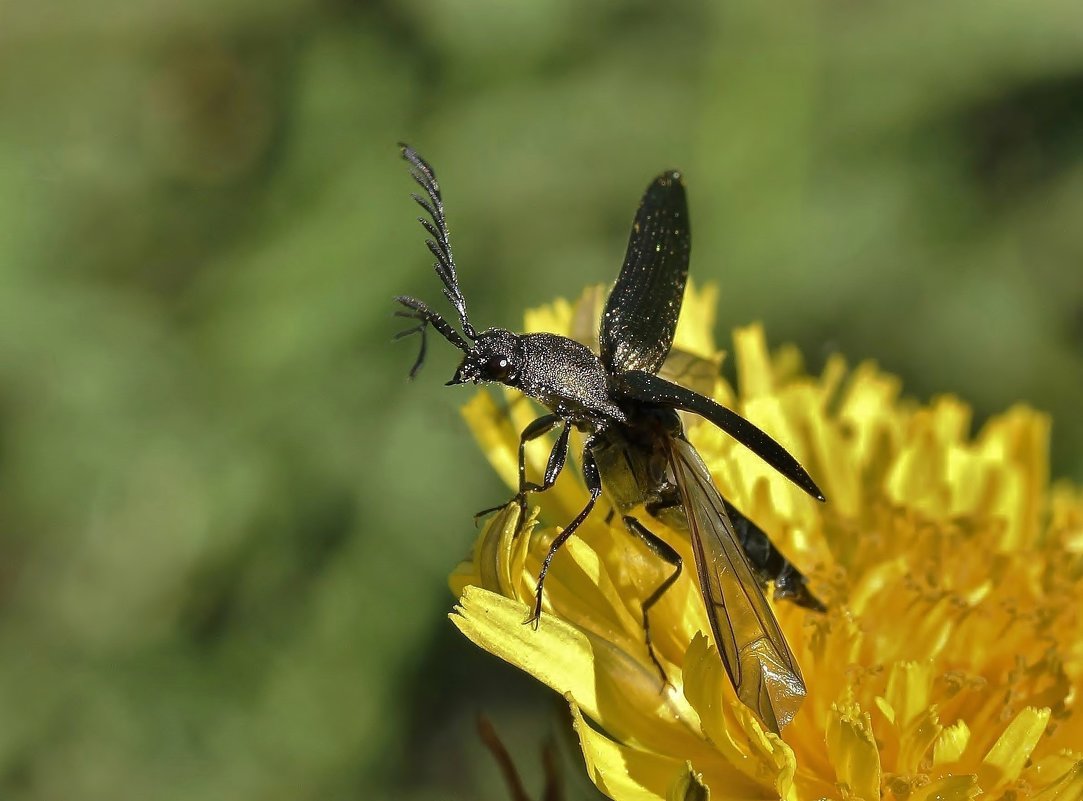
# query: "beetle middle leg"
557 459
664 551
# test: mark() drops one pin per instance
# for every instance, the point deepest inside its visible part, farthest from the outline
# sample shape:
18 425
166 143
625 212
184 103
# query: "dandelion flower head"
949 665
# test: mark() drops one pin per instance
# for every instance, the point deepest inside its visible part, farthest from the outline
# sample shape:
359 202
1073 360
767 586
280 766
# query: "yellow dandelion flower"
949 665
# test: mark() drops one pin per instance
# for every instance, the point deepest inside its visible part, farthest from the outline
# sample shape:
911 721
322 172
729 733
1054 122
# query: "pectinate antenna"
440 245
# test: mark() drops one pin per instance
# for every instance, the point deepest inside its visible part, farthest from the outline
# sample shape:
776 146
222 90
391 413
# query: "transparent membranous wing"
754 651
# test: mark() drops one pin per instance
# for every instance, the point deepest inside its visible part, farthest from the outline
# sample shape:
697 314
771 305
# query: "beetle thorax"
567 377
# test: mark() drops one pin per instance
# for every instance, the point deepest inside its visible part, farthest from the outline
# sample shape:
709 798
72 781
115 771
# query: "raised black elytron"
635 450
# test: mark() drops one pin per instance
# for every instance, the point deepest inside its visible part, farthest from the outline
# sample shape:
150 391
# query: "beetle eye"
499 368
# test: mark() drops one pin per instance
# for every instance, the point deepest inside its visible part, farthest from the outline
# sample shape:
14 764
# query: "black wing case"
757 658
646 387
640 315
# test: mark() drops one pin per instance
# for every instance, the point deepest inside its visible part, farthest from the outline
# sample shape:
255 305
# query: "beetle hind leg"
664 551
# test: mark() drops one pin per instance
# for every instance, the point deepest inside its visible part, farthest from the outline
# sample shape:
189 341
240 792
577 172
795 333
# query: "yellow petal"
629 774
862 413
586 315
908 685
906 705
495 548
583 592
1020 438
495 435
916 739
852 751
1069 787
951 743
754 375
777 761
916 479
1010 752
496 555
706 686
695 326
608 683
884 577
959 787
555 317
463 576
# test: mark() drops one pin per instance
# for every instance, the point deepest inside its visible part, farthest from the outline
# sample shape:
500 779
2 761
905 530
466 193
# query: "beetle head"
497 356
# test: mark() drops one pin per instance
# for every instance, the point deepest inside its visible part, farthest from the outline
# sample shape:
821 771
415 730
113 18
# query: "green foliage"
226 519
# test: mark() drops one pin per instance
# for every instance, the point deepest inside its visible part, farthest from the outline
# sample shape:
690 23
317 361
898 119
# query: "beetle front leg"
594 486
557 459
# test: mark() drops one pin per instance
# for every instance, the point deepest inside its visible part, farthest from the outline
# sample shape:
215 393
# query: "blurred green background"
226 519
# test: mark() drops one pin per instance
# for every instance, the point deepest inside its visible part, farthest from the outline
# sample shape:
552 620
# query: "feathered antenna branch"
417 310
440 247
440 244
